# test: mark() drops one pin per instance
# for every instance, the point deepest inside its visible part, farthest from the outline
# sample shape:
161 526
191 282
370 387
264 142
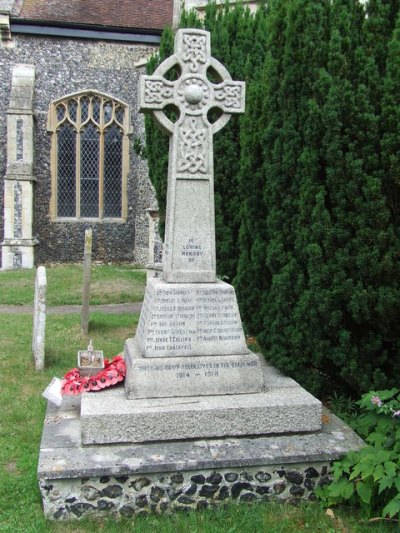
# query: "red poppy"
113 373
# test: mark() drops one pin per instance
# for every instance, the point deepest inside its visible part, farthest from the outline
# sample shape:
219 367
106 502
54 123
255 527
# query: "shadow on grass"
102 323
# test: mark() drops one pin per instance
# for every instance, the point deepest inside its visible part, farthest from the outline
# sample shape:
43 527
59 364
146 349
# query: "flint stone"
208 490
248 497
296 490
199 479
223 493
295 477
105 505
156 494
309 484
214 479
191 490
113 491
238 487
263 476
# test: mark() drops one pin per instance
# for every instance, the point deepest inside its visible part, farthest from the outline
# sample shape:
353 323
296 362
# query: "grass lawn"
109 284
22 417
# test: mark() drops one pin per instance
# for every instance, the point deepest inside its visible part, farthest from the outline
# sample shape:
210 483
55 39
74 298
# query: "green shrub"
307 189
371 476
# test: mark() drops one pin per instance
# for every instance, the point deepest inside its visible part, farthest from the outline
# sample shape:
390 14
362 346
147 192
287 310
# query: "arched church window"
90 150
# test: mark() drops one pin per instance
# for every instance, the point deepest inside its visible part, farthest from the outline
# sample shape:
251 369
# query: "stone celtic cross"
189 252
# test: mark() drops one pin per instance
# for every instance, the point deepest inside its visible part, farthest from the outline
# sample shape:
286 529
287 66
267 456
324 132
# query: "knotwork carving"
156 92
193 147
194 51
230 96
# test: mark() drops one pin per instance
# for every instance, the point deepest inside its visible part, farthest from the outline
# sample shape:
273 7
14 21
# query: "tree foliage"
307 184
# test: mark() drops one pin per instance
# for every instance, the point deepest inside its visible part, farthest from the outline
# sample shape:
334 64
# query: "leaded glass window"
90 156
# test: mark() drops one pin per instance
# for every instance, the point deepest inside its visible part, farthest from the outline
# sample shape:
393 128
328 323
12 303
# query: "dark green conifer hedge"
307 184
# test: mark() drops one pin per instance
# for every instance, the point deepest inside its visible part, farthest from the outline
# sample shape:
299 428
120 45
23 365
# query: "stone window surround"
52 126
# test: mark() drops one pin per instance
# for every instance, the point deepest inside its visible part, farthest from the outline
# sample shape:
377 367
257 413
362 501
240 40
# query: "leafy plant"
371 476
343 406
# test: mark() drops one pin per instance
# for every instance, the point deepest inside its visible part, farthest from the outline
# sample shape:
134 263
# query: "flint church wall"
64 66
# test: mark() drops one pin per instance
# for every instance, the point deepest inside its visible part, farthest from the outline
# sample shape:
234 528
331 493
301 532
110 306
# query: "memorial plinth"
284 408
190 342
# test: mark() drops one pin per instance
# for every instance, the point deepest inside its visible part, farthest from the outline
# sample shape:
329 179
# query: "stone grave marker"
189 371
87 261
39 318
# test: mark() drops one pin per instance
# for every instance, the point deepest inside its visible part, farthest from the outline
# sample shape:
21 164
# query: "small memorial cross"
189 254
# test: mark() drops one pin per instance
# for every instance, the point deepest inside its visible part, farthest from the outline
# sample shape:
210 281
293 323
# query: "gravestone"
189 371
87 262
39 318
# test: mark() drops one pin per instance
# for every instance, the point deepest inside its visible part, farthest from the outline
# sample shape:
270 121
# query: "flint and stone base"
284 408
117 480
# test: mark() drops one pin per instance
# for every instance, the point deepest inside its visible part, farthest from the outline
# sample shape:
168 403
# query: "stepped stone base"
119 480
284 408
191 376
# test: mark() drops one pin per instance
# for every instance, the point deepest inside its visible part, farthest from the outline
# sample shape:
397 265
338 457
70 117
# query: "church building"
69 124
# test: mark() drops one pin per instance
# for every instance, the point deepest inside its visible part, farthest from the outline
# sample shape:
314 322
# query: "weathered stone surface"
191 376
189 253
17 248
62 454
108 418
166 471
190 319
39 318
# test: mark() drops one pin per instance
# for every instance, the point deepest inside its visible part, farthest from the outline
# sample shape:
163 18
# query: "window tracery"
89 156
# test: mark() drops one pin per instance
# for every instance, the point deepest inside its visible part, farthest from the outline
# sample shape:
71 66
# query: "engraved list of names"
190 320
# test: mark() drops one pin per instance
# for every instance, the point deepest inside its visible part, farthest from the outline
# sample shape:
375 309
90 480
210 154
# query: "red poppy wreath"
113 372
